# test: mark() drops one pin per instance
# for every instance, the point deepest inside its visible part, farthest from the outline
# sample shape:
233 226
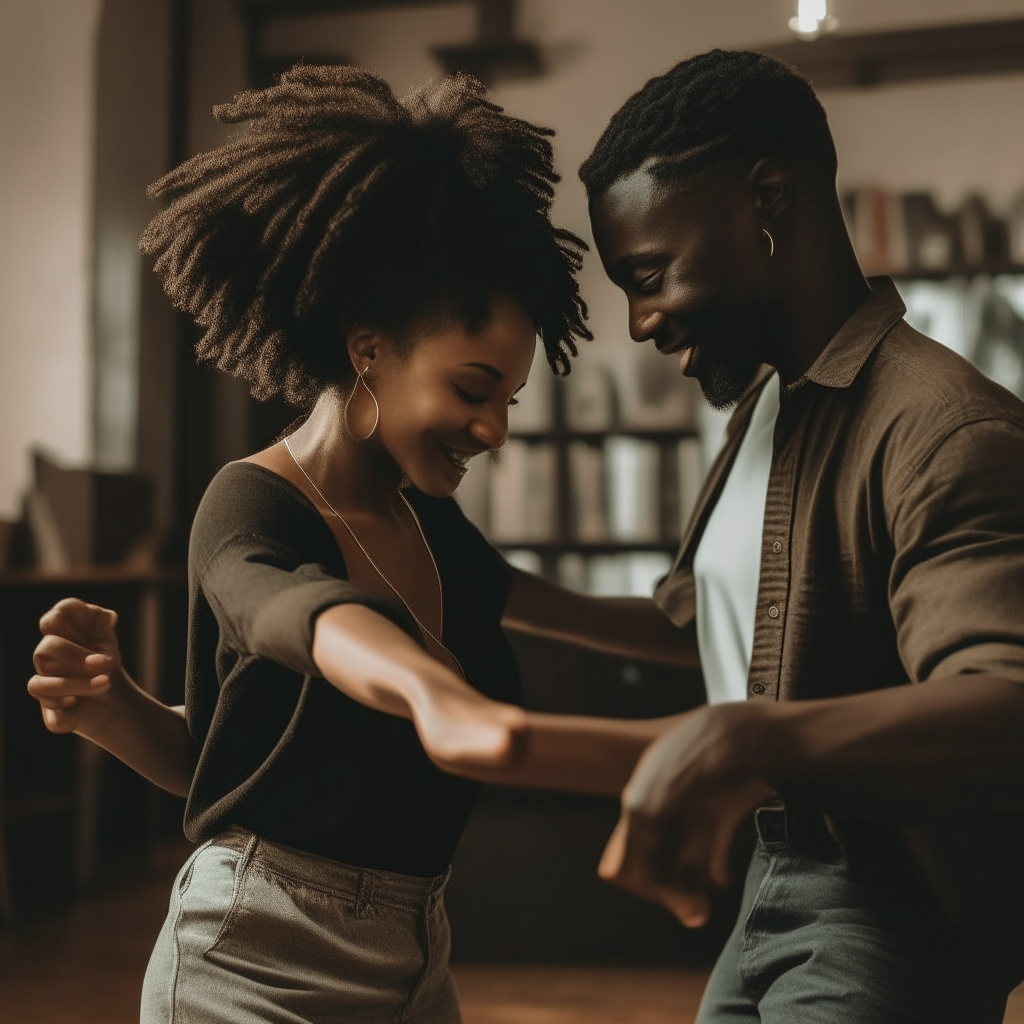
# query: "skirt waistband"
361 884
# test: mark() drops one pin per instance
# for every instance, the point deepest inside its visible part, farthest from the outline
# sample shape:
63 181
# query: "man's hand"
680 811
77 663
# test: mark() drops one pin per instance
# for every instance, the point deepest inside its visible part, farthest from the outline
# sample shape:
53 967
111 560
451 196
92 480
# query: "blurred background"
110 432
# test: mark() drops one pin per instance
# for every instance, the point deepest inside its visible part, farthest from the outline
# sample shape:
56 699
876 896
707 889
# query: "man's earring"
771 242
376 419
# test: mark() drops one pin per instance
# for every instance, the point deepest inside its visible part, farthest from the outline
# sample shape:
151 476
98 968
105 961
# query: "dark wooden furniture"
59 794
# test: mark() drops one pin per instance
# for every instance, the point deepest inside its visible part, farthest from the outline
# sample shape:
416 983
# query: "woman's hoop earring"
771 242
376 405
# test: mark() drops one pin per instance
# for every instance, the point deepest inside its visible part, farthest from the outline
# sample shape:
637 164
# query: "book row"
902 233
624 490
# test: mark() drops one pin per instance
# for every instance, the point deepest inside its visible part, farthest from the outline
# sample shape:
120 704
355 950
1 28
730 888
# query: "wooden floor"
85 967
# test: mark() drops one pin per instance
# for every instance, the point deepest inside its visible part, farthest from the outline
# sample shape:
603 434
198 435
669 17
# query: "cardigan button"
758 689
777 546
773 611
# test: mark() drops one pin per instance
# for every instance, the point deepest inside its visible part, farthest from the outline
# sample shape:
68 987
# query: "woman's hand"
463 731
680 811
79 675
82 687
370 659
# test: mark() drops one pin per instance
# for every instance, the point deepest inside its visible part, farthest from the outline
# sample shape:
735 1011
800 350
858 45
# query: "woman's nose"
490 429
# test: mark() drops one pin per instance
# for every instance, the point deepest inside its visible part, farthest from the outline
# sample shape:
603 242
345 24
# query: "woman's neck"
354 476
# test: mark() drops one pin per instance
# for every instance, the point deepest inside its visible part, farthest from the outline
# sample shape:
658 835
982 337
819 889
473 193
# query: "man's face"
694 264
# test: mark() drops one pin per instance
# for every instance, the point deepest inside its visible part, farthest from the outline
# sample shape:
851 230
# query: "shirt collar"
842 359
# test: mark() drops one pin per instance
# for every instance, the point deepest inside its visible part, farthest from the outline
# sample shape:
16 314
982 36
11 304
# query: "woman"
388 265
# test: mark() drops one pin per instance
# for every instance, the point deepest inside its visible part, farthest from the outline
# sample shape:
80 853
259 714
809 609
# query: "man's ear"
363 344
771 184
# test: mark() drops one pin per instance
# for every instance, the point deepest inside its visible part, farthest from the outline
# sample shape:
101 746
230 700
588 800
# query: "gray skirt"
259 932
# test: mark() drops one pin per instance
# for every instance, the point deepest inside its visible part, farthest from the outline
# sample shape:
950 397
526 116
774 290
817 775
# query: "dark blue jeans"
814 946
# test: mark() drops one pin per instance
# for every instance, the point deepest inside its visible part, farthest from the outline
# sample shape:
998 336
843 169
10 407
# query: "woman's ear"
363 344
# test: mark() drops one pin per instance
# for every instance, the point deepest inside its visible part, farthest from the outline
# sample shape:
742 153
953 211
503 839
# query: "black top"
284 753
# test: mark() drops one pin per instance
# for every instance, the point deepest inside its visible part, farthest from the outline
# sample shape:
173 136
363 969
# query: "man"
862 528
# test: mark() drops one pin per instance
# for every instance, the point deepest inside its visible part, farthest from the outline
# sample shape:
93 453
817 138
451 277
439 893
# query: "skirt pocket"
318 953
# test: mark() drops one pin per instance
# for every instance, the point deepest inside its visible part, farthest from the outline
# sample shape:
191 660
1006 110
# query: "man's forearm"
577 754
629 627
899 753
372 661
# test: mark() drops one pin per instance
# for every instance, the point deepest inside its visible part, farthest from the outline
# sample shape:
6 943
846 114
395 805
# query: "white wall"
47 50
948 136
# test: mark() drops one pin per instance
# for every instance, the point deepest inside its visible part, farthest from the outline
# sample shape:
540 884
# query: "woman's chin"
438 482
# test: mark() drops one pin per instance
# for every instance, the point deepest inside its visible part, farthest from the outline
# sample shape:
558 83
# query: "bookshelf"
597 476
993 269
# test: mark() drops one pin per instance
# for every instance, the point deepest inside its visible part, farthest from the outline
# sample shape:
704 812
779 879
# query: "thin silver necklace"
366 554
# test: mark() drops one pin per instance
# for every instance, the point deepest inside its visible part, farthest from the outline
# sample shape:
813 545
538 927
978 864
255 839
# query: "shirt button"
777 547
758 688
773 611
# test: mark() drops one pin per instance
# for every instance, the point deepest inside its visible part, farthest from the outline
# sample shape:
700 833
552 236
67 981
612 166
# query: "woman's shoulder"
245 498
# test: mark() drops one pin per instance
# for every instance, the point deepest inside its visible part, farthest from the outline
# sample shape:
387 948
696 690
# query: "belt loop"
772 825
364 894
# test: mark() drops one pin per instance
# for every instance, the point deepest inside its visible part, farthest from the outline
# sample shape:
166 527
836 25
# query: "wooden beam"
860 61
276 8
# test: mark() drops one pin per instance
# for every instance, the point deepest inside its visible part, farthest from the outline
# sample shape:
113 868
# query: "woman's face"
445 398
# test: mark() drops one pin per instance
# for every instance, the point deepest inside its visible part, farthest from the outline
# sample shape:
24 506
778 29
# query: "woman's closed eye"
474 399
469 396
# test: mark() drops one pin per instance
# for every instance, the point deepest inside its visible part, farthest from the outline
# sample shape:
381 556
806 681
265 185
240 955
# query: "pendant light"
812 19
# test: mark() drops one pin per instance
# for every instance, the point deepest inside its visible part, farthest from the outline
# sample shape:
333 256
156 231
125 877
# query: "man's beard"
724 376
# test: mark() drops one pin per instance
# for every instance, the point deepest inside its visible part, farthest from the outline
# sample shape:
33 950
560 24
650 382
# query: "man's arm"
374 662
950 741
83 688
904 754
630 627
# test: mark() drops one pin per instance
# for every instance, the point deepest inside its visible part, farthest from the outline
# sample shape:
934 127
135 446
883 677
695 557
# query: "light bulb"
812 19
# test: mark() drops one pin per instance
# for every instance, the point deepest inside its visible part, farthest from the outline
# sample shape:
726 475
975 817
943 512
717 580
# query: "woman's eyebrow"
487 368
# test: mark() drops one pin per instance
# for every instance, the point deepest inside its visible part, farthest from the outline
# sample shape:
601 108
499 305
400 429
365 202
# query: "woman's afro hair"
344 204
719 105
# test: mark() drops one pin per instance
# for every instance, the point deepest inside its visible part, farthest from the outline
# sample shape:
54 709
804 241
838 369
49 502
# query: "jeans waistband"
361 884
785 825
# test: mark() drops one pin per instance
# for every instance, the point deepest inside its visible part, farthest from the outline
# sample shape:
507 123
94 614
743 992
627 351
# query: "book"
932 238
474 493
523 493
632 471
984 239
876 222
534 408
1016 229
632 574
573 571
587 492
542 493
689 478
87 517
507 493
654 395
591 400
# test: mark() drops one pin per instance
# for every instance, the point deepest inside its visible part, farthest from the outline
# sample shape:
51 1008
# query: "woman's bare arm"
82 687
374 662
630 627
